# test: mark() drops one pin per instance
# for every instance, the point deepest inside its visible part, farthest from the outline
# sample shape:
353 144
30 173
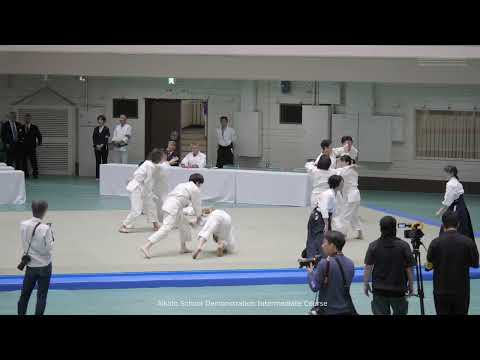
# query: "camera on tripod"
415 233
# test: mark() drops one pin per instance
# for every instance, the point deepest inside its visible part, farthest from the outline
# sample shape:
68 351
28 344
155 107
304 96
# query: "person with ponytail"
454 201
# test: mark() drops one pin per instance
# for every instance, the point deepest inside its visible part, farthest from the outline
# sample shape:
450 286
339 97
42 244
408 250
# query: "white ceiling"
362 51
237 62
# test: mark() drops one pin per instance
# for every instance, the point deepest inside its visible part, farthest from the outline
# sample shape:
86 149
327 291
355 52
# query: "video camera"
415 231
306 262
415 234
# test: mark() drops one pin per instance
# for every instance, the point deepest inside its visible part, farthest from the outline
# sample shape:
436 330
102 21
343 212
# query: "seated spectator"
172 153
194 159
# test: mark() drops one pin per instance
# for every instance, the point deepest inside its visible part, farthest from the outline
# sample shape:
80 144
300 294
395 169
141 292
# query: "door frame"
148 143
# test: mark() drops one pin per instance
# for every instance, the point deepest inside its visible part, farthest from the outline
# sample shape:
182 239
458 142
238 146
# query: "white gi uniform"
453 191
219 223
179 198
141 194
327 203
319 181
121 133
347 215
160 187
227 137
190 160
340 151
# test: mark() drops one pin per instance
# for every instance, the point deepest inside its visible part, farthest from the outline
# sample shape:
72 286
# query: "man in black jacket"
33 137
12 135
451 255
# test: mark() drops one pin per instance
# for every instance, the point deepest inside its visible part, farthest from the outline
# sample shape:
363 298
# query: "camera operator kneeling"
332 278
37 242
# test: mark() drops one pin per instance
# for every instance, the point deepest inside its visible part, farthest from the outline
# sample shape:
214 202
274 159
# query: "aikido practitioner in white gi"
319 173
218 225
347 148
347 211
182 196
160 183
327 150
141 192
320 218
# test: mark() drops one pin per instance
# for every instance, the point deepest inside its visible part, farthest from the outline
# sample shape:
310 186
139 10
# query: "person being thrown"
141 192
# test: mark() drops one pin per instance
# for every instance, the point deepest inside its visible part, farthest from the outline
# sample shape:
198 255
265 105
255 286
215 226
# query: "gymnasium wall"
280 142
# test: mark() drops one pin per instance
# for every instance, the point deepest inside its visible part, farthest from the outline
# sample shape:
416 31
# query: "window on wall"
290 114
448 134
127 107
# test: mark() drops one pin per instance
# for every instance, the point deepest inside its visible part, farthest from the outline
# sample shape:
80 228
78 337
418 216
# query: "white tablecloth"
12 187
223 185
6 168
272 188
219 184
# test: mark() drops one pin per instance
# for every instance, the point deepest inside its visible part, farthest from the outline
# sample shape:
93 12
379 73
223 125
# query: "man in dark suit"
33 137
12 135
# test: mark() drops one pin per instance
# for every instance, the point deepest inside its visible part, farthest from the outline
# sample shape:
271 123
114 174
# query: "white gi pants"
350 215
347 219
169 222
136 207
138 203
223 232
119 157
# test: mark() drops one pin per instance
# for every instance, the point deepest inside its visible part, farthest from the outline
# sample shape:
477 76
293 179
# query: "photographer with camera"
390 261
37 243
332 277
451 255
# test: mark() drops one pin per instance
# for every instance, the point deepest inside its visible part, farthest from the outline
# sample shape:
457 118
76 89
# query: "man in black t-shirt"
390 261
451 255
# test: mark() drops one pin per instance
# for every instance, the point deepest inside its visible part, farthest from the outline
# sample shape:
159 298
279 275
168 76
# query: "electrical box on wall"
248 126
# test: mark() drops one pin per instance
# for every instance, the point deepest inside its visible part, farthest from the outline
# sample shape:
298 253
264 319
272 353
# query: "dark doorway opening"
162 118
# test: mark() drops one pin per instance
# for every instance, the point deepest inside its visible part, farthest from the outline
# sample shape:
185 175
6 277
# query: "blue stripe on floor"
180 279
410 216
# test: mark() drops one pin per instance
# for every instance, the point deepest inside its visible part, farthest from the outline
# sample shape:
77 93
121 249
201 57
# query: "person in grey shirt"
332 277
37 242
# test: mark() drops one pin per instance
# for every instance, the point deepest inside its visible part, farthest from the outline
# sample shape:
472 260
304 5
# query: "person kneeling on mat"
219 225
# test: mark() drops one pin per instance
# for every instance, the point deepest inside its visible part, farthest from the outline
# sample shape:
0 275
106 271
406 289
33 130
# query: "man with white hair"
194 159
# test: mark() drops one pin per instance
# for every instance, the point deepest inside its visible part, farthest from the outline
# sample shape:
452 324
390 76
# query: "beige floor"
88 242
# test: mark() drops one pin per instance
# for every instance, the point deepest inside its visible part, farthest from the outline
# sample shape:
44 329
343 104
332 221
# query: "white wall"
281 143
402 100
223 96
